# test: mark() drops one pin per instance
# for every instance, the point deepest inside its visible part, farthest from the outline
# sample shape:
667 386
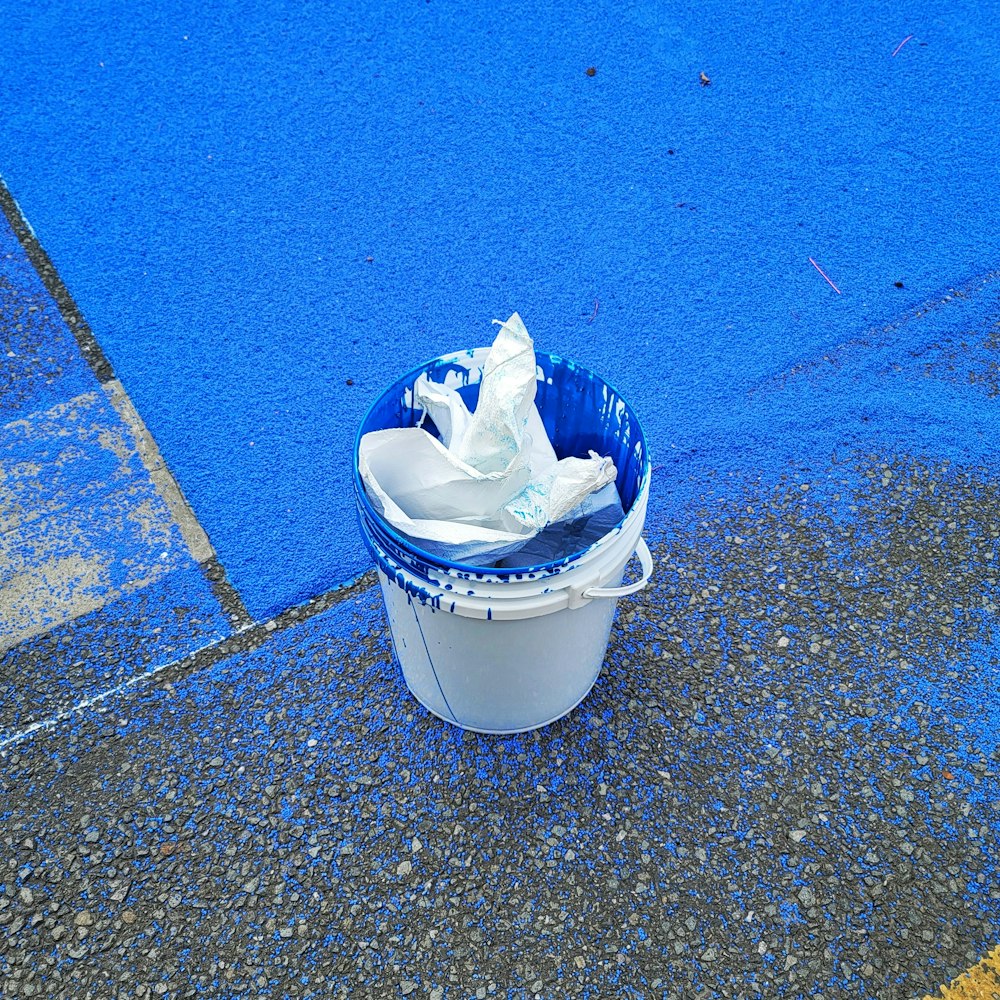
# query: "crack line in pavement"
244 640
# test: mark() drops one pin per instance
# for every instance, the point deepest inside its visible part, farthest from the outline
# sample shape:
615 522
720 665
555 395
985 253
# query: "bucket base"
502 732
497 676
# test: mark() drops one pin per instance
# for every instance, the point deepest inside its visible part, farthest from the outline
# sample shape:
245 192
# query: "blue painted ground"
42 365
212 181
785 781
97 584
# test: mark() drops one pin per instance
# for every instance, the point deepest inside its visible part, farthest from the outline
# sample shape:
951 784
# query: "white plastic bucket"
505 651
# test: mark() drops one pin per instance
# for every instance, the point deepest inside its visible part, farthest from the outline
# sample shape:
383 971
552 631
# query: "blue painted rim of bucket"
367 513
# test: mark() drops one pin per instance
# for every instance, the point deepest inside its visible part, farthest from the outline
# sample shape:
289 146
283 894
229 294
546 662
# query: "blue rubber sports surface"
268 212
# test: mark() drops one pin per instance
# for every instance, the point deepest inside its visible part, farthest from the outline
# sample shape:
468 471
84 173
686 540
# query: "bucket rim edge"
450 565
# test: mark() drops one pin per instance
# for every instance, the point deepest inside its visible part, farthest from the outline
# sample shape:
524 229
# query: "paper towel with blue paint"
489 490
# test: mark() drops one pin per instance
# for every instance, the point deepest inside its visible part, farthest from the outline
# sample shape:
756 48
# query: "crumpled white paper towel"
493 481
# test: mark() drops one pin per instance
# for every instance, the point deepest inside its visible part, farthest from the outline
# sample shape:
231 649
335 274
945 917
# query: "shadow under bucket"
509 650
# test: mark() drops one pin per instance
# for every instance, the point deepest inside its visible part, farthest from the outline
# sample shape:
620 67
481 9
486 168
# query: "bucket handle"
645 558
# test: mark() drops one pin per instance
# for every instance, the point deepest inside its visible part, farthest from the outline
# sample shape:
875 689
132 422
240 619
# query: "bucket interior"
580 411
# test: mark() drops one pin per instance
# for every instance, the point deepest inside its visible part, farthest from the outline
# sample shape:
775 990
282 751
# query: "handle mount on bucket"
577 599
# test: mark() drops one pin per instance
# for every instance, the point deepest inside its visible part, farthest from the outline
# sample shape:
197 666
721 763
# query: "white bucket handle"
645 558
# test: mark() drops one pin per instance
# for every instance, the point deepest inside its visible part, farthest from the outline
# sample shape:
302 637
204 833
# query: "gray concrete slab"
81 521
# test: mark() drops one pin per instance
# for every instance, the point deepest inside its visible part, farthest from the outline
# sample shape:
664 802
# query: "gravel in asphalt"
784 784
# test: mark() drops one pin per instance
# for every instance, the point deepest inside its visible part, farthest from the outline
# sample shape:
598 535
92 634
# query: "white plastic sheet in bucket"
505 651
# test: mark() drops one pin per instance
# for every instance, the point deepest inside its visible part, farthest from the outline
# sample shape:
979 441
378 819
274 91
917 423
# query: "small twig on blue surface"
828 281
593 315
901 44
